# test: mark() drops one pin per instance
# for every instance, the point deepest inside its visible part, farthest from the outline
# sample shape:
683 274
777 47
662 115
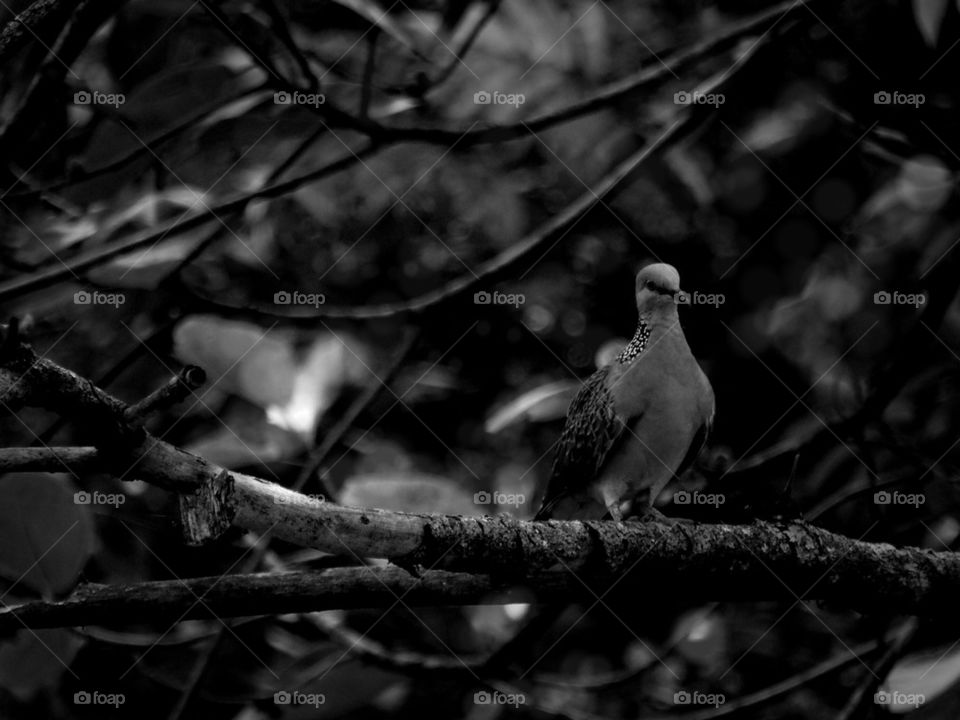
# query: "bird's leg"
648 513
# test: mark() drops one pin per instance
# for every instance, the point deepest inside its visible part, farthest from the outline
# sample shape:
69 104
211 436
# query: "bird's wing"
700 437
592 430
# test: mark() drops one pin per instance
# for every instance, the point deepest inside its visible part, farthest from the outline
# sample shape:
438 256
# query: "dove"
638 421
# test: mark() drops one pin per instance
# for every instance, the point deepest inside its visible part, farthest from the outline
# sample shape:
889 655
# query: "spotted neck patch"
636 345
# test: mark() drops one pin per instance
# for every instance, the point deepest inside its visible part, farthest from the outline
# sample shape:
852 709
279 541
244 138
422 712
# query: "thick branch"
759 561
693 564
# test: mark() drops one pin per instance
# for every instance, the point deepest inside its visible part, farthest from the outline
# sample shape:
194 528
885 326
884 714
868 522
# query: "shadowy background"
810 210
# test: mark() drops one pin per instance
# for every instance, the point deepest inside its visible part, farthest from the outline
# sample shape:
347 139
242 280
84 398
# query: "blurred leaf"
699 636
249 444
546 402
408 492
925 183
928 673
45 537
688 169
380 18
144 268
929 15
239 357
782 128
34 661
331 362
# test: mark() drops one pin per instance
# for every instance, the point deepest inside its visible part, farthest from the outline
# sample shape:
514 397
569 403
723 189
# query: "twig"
86 20
282 29
862 697
261 546
42 459
374 389
489 271
366 87
141 150
463 49
84 261
942 285
38 19
174 391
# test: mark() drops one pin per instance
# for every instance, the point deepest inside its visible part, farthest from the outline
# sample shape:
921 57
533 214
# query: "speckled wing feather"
590 433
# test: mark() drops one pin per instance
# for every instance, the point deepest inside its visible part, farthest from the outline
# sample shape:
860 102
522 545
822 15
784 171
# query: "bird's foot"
651 514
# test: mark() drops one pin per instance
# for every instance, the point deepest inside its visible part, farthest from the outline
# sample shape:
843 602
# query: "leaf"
144 268
35 660
331 362
45 537
235 447
929 16
926 674
408 492
239 357
546 402
377 16
924 183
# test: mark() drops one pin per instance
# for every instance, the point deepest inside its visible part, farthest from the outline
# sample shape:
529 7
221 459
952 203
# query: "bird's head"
657 289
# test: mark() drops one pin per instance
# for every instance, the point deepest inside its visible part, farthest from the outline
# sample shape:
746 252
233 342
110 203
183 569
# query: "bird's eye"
651 285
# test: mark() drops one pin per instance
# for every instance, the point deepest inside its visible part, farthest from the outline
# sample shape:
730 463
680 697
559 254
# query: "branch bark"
729 562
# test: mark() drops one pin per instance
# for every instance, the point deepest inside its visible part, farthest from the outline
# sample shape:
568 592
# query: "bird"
638 421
